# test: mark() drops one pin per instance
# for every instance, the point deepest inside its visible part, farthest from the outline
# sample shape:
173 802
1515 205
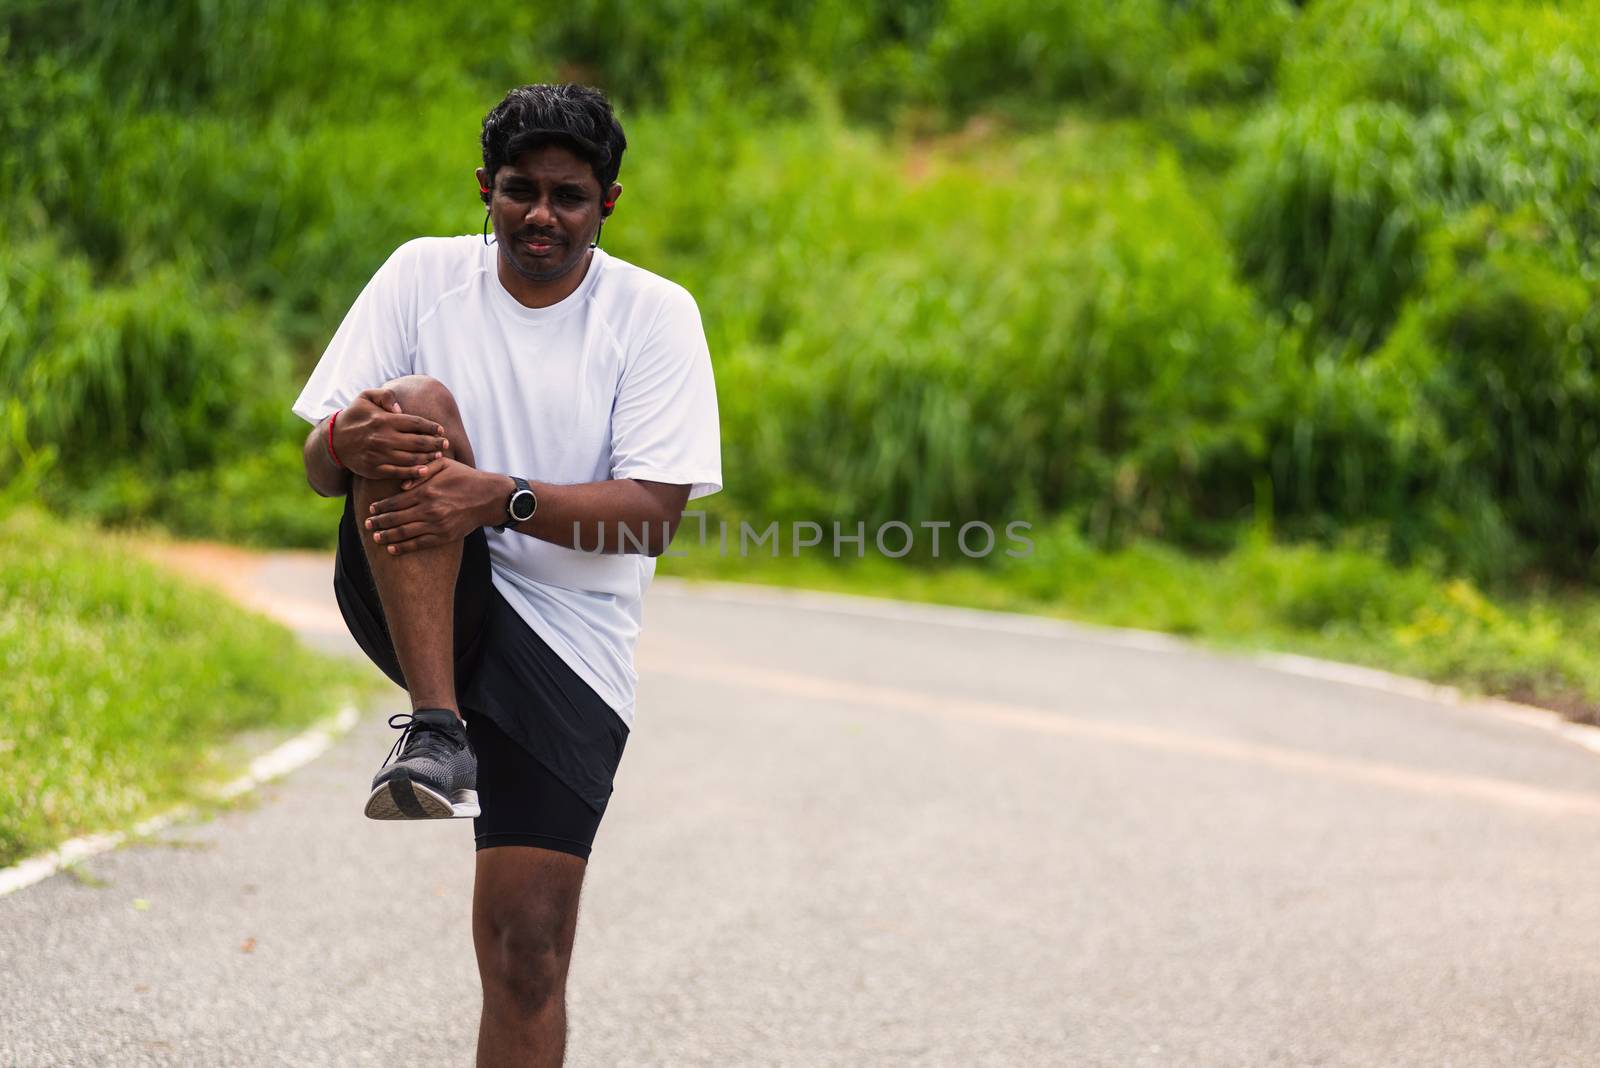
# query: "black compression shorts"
547 745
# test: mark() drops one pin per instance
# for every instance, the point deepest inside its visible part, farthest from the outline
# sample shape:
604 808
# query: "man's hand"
446 500
374 439
446 503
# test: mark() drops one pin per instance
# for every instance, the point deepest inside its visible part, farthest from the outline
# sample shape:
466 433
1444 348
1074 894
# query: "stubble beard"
553 274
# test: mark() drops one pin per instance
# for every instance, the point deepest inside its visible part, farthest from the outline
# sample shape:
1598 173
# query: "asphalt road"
853 836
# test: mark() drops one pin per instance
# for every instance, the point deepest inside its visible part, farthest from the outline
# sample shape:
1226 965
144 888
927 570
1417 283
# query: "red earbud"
610 204
483 189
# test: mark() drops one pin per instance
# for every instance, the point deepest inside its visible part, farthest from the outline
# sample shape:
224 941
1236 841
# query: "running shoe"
430 773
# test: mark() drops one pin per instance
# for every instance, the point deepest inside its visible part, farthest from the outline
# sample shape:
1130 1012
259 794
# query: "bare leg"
524 918
418 589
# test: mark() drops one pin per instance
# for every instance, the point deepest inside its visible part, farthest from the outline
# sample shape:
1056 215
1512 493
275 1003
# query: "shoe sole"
400 798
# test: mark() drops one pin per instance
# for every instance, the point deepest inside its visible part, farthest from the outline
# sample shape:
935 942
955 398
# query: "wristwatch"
521 506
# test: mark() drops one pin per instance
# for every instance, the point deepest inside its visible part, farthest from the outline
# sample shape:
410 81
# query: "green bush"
154 400
1330 206
1417 55
942 369
157 369
1137 55
1535 151
955 258
1049 50
1231 48
259 497
1346 443
1395 118
1503 344
955 56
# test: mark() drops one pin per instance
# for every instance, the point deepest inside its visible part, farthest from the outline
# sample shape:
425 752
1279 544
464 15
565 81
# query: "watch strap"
519 486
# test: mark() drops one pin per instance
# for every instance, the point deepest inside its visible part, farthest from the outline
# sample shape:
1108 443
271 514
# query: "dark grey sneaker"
430 774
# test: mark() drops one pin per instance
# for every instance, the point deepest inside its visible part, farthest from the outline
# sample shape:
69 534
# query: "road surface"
857 836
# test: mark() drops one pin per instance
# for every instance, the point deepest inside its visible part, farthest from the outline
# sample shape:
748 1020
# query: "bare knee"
430 398
425 396
523 961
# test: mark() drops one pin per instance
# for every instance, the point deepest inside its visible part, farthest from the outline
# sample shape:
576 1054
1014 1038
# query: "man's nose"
540 212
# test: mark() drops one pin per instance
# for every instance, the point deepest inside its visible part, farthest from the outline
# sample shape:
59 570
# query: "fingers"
411 433
411 477
408 460
388 512
381 398
396 420
402 532
402 455
397 439
398 537
425 472
399 471
415 544
414 424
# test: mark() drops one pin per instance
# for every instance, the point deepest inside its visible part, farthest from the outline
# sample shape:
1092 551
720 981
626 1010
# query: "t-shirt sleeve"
664 422
374 343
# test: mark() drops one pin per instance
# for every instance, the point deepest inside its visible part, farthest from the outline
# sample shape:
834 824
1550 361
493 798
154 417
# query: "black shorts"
547 745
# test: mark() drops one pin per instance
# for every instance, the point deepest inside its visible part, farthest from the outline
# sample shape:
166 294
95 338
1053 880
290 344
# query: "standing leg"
524 917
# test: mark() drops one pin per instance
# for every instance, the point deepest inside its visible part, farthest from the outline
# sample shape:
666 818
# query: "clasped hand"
375 439
442 502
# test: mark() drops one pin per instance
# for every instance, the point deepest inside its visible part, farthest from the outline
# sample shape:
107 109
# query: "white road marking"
295 753
679 662
1581 734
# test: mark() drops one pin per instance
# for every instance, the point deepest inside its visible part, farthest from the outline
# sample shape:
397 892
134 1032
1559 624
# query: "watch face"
522 504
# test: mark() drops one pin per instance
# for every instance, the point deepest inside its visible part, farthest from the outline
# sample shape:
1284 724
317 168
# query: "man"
516 427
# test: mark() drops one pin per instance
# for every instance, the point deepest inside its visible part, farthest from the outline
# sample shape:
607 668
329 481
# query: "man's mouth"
539 245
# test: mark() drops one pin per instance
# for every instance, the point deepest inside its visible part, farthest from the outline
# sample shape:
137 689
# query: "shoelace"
429 740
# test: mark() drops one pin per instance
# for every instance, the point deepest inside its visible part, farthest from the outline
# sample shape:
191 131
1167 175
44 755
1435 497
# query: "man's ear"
608 203
485 185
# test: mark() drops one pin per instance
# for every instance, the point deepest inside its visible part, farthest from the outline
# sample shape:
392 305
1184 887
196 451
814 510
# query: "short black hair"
577 116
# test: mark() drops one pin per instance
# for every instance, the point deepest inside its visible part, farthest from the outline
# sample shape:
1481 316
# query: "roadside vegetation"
1280 319
1541 646
123 688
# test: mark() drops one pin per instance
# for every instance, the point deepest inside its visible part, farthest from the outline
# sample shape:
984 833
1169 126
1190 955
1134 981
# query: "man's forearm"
622 515
326 477
450 499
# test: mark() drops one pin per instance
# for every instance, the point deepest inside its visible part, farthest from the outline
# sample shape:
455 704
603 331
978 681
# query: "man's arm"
326 477
620 515
372 438
623 515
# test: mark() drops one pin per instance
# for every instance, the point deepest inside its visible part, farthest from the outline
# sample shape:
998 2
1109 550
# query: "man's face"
545 207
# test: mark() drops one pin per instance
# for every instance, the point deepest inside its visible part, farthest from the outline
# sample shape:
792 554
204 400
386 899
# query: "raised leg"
418 588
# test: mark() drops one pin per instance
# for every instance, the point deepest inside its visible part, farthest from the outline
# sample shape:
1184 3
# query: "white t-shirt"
612 382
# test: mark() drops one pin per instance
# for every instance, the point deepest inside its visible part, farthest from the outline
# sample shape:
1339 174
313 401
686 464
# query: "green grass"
1341 604
122 687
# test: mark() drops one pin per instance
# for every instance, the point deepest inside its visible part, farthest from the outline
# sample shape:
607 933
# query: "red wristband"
334 418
